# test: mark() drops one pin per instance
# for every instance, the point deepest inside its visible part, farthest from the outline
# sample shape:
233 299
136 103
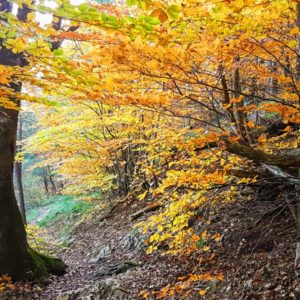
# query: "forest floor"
255 257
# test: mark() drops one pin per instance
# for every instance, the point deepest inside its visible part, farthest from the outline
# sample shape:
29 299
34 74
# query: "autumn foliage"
186 103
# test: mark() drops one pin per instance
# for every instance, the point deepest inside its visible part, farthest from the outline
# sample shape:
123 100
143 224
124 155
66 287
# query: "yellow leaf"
220 277
288 129
203 234
31 16
142 196
217 237
144 294
202 292
294 31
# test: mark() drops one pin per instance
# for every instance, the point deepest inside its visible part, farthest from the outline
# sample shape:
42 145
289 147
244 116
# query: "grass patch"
60 212
32 214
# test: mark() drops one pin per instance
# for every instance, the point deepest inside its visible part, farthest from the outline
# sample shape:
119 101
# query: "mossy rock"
43 265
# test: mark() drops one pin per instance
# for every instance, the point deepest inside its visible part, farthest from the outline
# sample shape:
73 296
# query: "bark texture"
14 258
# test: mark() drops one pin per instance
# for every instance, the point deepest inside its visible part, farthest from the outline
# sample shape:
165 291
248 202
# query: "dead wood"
150 207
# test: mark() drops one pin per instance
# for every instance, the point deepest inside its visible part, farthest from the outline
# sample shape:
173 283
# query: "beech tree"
16 258
208 107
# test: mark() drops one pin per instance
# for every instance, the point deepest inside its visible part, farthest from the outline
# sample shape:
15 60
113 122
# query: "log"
150 207
258 156
285 161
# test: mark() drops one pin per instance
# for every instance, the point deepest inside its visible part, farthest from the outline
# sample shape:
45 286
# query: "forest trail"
100 248
261 267
107 258
107 261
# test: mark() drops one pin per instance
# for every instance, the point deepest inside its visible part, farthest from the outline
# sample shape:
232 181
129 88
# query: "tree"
223 91
16 258
30 55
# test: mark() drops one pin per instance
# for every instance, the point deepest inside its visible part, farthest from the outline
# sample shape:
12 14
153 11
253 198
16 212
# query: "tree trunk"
54 190
18 174
14 257
45 184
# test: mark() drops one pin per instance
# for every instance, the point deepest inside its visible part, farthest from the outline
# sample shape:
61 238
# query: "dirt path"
102 248
97 250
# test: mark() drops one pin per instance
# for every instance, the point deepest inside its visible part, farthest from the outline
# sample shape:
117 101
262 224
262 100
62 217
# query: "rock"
102 253
118 269
70 295
63 297
247 241
107 289
110 290
134 240
215 285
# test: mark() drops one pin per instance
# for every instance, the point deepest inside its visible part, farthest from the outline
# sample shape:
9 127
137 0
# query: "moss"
43 265
54 265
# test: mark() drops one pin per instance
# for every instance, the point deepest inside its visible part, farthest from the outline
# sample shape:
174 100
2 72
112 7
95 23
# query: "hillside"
255 258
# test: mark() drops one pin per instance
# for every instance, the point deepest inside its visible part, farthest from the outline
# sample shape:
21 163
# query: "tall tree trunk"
14 257
18 174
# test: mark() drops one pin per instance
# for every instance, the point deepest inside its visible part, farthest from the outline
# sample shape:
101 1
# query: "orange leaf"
160 14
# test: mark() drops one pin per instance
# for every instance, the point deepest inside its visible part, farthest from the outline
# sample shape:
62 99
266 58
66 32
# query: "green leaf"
60 12
11 34
44 9
84 7
173 11
200 243
58 52
142 5
182 26
131 2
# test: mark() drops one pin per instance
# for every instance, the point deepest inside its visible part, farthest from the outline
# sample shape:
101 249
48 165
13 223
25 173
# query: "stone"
104 289
119 268
134 240
102 253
